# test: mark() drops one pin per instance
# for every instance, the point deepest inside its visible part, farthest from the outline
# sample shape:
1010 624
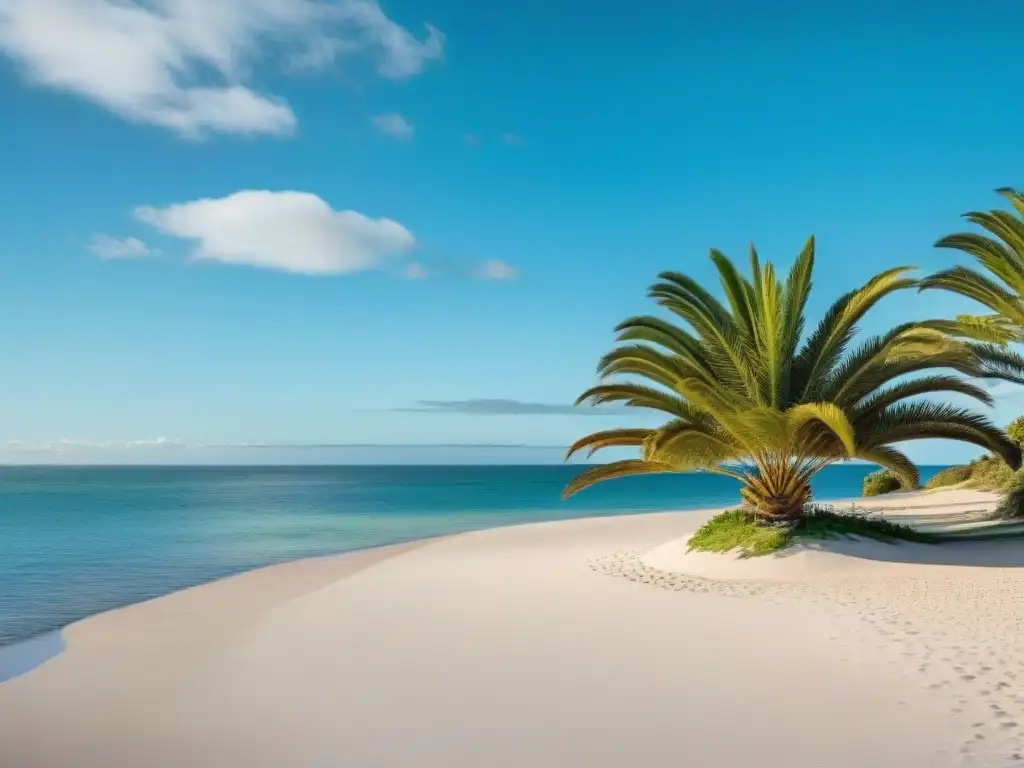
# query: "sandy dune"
583 643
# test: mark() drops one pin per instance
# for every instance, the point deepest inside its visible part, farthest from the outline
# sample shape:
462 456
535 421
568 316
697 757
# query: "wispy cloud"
472 140
395 126
435 262
287 231
65 445
495 269
106 247
512 139
188 66
504 407
414 270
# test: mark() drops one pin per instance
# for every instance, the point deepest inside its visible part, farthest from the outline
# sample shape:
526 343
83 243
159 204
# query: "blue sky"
515 175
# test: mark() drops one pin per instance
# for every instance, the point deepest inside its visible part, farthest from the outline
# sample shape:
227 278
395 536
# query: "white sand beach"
595 642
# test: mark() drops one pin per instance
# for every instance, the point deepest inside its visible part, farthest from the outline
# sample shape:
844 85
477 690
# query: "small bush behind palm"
880 482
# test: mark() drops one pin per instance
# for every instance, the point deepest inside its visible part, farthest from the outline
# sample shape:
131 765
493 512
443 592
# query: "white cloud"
395 126
472 139
107 247
414 270
288 231
187 65
495 269
512 138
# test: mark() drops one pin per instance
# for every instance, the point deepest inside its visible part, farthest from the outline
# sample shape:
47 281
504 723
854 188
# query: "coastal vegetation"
745 393
1011 506
986 473
1015 430
880 482
741 531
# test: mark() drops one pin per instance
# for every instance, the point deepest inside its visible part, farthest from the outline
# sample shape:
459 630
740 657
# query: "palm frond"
744 398
624 468
975 285
609 438
896 462
998 362
880 399
990 329
829 341
686 446
999 284
641 360
905 422
641 396
671 338
996 257
830 416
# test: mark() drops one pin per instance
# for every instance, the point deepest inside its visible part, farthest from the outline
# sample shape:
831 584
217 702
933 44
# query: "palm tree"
746 396
1000 286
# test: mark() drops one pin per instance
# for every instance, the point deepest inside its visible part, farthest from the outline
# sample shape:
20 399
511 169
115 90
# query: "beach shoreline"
480 626
31 641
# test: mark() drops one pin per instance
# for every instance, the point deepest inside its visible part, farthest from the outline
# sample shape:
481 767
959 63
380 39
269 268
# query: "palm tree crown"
747 396
1000 287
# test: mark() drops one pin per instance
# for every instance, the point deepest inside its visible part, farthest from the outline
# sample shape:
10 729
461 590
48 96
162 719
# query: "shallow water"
79 540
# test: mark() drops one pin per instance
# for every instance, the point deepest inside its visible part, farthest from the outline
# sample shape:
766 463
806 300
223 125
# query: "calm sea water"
78 540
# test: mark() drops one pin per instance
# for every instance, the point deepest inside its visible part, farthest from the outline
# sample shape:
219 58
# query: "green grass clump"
828 523
949 476
740 530
882 481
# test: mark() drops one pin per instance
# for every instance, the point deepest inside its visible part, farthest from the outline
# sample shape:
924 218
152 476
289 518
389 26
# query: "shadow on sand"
997 545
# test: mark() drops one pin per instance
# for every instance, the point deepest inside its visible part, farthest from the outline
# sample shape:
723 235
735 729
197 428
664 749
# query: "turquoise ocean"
75 541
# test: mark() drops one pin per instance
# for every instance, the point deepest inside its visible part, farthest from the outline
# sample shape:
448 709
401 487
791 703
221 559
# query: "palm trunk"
778 494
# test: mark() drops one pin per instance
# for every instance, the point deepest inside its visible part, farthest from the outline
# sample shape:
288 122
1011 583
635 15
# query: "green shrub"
1011 507
825 522
882 481
740 529
990 473
950 476
1015 430
987 473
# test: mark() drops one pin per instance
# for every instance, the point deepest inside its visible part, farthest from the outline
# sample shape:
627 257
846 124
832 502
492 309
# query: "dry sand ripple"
956 629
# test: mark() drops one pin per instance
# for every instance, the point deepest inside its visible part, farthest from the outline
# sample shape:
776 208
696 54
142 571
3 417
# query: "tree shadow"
997 546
